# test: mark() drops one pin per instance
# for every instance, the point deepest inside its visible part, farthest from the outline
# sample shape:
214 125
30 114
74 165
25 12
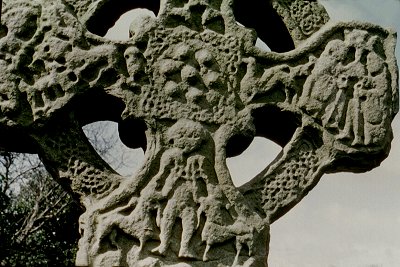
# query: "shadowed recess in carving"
110 11
261 16
132 133
87 111
258 154
25 143
274 124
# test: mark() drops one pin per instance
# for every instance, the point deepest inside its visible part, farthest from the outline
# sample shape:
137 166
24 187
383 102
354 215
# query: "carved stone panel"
191 88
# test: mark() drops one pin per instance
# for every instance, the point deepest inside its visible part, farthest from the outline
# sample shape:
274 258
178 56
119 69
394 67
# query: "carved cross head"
191 88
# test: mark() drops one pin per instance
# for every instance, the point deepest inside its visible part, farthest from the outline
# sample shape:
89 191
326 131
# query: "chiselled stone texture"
191 88
302 18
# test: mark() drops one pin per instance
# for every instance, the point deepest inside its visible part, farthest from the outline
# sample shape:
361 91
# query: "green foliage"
38 219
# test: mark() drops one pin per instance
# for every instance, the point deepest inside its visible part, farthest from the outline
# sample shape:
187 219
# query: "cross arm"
341 93
53 70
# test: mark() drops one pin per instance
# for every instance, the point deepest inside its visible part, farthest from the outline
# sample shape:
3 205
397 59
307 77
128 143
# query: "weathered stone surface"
191 88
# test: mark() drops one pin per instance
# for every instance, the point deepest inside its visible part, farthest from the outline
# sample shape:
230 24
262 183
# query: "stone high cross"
191 88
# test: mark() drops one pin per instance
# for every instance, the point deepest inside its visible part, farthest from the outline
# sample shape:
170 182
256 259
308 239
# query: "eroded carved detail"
194 78
349 89
301 17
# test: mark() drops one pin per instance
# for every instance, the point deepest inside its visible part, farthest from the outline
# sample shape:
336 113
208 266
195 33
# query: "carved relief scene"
191 88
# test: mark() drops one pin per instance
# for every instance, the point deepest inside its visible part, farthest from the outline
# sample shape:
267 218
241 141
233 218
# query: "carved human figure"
320 88
135 64
353 117
180 185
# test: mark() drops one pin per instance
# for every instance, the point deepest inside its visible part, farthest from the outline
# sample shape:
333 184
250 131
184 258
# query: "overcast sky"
348 220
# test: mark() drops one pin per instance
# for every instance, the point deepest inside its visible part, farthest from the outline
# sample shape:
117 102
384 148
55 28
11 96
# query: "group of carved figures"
343 91
345 88
185 190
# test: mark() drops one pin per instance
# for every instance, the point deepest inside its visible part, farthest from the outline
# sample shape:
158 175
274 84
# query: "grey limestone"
191 88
